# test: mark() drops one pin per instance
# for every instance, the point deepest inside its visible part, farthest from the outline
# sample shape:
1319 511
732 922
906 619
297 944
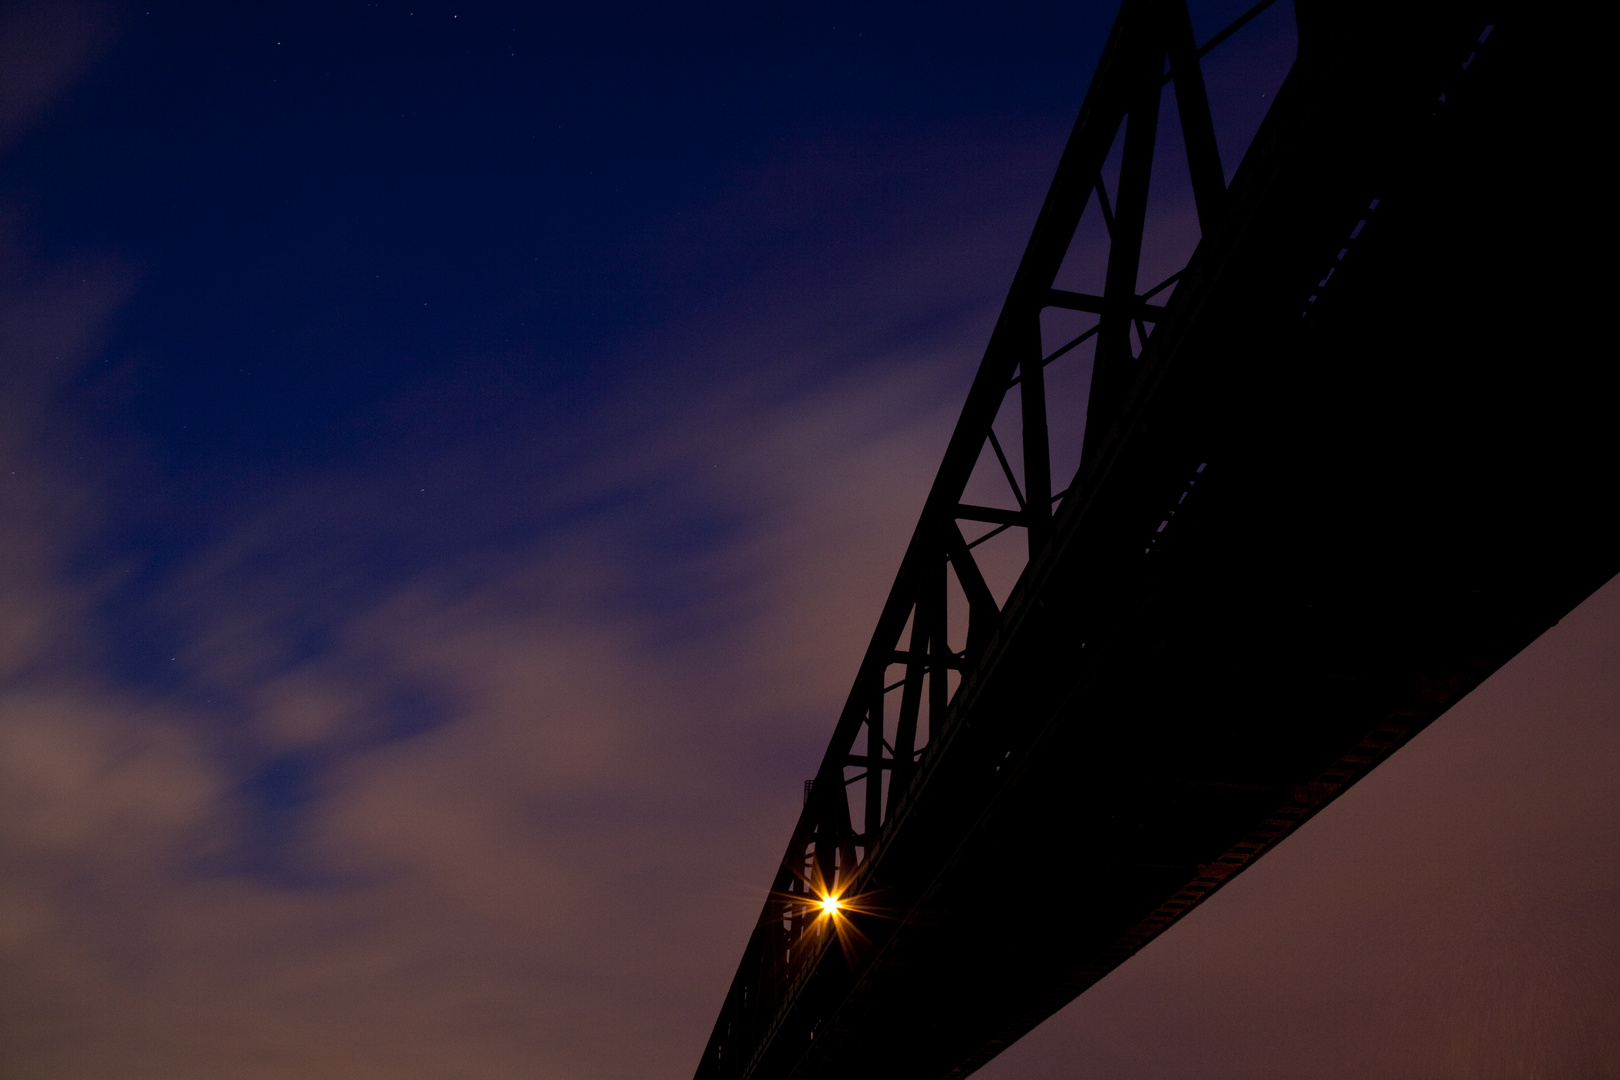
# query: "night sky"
451 460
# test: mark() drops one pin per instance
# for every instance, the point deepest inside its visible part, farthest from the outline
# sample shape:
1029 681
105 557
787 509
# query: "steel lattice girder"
1159 704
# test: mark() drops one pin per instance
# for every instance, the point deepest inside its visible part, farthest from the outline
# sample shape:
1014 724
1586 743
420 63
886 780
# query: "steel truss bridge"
1336 470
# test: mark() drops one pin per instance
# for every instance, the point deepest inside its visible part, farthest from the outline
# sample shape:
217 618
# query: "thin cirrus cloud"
499 810
44 49
474 752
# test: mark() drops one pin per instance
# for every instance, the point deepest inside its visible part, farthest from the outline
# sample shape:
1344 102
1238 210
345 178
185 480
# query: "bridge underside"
1385 487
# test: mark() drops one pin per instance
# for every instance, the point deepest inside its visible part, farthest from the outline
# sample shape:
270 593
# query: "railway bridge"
1333 471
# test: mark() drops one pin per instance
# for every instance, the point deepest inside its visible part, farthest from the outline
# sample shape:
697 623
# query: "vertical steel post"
874 767
1037 449
1197 127
1112 368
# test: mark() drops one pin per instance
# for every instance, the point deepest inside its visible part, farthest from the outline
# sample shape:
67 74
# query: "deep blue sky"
327 201
451 459
326 207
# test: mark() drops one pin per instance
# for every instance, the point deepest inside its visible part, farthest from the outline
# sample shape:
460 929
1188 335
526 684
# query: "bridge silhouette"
1333 471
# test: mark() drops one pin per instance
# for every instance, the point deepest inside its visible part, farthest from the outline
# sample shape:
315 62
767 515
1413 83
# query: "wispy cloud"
471 754
44 49
491 810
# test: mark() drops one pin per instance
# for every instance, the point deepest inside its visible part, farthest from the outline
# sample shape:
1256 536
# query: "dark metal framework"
967 713
1152 45
875 743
